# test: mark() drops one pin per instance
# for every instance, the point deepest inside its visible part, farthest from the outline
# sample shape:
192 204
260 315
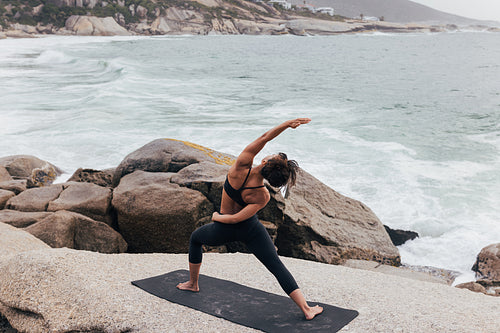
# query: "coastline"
298 25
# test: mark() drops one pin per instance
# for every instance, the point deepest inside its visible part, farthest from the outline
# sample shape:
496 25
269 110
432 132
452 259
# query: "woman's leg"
212 234
261 245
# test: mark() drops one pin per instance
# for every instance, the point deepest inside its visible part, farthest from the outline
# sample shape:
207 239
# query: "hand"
214 216
294 123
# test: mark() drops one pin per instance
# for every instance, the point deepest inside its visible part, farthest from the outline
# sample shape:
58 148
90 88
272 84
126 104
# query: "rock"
85 198
4 175
94 26
21 219
205 177
63 290
472 286
16 186
487 266
14 240
399 237
3 35
141 11
402 271
4 197
76 231
35 199
323 225
314 223
29 29
42 176
168 155
22 166
98 177
155 215
320 27
18 34
224 26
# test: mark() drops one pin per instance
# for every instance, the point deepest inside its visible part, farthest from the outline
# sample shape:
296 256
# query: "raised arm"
245 159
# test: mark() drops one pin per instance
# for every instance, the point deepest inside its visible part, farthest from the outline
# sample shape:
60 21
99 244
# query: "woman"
243 196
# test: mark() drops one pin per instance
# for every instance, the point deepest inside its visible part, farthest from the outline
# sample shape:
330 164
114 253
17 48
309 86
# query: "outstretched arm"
244 214
245 159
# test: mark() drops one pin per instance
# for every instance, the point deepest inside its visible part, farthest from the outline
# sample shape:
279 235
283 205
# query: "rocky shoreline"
299 26
149 204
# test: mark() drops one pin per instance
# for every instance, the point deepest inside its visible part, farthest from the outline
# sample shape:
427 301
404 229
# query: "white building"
325 10
283 3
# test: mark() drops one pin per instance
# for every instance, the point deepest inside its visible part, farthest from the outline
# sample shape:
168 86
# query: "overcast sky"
478 9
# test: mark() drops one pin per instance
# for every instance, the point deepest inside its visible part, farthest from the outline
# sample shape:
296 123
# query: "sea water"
409 124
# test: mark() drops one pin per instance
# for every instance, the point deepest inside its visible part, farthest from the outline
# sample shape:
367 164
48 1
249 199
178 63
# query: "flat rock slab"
63 290
244 305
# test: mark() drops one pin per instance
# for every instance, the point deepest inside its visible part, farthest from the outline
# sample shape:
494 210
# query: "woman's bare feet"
313 312
188 285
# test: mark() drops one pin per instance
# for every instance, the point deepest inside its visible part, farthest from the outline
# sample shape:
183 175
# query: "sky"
477 9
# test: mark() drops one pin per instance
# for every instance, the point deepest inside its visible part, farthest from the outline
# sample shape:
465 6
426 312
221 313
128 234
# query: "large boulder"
94 26
30 167
321 224
76 231
4 197
85 198
155 215
314 222
487 266
168 155
205 177
63 290
35 199
21 219
14 240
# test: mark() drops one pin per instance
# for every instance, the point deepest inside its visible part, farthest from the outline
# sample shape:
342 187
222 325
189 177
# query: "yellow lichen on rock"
218 157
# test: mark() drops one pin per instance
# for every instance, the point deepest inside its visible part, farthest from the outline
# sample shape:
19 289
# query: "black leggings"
255 237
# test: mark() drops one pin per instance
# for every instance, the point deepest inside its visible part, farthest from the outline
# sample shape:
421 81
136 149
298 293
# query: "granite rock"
76 231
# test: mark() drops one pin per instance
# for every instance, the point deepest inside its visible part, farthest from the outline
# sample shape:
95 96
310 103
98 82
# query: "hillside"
402 11
24 18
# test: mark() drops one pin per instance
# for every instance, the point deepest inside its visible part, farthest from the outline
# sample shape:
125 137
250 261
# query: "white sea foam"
53 57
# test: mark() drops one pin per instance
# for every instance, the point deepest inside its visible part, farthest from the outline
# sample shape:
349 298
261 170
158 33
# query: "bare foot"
313 312
188 285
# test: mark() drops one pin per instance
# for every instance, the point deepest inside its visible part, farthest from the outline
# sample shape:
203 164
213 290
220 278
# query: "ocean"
409 124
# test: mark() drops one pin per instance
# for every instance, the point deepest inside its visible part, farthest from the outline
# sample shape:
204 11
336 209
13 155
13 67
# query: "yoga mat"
244 305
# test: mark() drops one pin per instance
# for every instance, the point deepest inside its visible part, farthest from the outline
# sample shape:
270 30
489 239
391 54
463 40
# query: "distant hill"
402 11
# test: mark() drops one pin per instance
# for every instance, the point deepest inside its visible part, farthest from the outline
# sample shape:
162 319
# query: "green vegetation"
22 11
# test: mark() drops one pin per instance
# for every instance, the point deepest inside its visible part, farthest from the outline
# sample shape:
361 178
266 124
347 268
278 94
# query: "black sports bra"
236 194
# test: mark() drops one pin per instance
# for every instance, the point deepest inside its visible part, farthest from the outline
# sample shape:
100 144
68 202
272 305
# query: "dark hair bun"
280 171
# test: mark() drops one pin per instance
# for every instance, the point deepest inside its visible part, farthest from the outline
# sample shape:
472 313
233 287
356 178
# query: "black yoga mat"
244 305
